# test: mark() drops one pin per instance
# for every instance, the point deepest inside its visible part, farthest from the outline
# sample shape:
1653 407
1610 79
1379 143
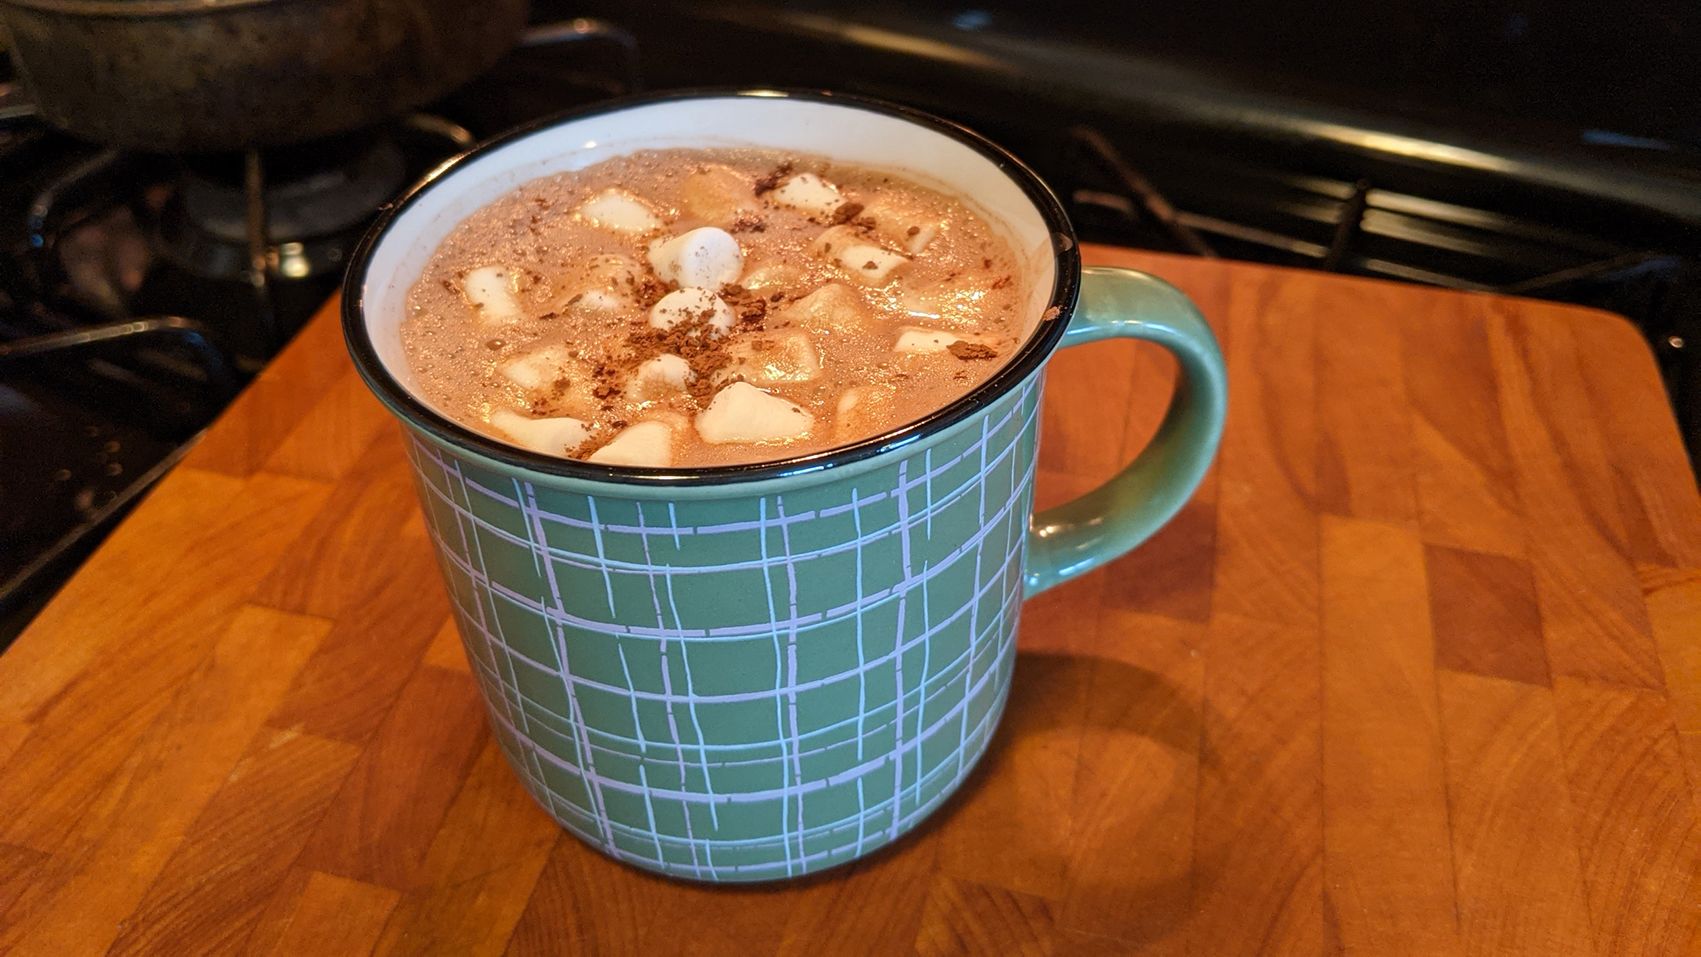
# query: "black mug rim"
1065 290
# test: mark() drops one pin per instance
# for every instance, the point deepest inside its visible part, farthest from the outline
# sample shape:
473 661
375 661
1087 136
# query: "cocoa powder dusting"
749 307
972 351
845 213
771 181
692 341
649 292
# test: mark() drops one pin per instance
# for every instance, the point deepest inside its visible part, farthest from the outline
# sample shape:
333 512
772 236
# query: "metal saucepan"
191 75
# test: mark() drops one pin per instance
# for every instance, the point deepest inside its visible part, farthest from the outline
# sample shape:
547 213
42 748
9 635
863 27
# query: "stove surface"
138 293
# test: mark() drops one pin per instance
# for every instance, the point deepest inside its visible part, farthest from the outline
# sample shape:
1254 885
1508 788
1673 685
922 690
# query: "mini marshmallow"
691 303
808 193
620 211
707 257
647 444
664 373
611 271
743 413
543 368
903 231
932 303
848 402
921 304
862 409
789 356
537 369
833 310
608 283
916 340
861 260
924 341
716 194
913 242
599 300
552 436
491 290
777 275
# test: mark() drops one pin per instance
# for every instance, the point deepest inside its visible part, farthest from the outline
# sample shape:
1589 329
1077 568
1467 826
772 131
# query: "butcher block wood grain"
1418 671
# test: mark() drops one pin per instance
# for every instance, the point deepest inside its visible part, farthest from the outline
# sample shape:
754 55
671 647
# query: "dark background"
1583 72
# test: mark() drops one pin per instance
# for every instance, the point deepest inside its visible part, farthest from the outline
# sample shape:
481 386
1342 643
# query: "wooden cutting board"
1418 671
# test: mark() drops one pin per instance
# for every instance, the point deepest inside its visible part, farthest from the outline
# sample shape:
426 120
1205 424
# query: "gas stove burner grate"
311 213
138 292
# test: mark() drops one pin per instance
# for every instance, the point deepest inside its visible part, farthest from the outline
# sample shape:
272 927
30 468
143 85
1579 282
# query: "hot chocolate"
696 307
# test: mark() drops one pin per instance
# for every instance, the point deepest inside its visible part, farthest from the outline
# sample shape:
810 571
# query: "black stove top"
139 293
142 310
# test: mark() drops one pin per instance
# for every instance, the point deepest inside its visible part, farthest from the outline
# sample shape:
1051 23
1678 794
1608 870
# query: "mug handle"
1079 536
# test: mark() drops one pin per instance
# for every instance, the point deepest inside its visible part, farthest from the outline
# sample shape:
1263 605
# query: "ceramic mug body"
757 672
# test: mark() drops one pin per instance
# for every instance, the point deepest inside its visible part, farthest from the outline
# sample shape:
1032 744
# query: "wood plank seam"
1567 868
295 861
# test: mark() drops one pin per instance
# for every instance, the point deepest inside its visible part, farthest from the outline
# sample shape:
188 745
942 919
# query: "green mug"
754 672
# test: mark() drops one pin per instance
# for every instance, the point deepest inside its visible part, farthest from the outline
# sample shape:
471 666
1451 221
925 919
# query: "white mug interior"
841 130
